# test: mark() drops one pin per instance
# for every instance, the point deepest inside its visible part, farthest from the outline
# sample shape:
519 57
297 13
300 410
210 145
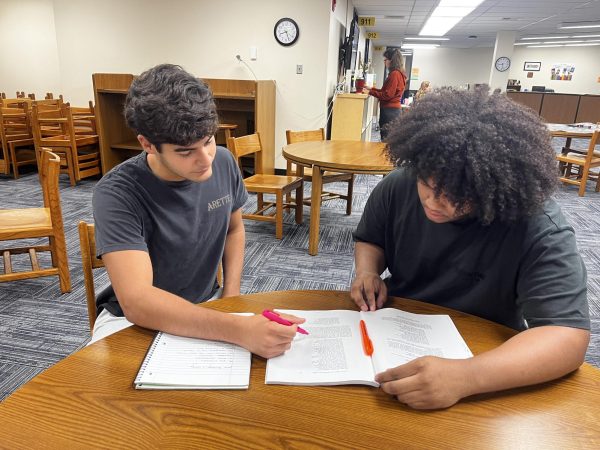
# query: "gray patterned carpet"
39 327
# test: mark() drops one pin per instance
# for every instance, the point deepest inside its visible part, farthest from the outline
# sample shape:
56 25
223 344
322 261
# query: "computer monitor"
538 88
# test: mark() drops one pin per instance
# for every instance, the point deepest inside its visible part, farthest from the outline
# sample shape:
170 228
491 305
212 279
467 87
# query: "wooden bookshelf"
246 103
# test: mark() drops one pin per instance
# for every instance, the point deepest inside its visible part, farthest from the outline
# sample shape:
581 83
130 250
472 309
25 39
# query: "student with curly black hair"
467 222
167 217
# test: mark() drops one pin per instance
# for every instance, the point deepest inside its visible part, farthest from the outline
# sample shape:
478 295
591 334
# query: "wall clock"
286 31
502 64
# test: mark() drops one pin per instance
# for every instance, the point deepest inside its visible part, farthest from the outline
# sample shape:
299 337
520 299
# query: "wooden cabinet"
560 108
246 103
352 116
589 109
532 100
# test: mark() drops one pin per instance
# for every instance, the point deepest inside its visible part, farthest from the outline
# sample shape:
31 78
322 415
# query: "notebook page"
188 363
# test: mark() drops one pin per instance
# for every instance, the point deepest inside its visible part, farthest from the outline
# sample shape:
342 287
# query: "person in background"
167 217
468 222
424 89
391 92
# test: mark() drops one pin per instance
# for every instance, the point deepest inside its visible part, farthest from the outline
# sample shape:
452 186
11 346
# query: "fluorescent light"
561 42
420 46
586 36
582 45
460 3
545 46
427 39
544 37
527 43
447 14
439 26
570 25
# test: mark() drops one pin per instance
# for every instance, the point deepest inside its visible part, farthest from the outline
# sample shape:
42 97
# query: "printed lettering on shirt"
219 202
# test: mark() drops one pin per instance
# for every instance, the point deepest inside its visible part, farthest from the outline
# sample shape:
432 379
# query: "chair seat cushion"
22 223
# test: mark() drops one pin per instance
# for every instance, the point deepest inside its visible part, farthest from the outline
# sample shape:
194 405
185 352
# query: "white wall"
452 66
203 36
585 77
29 60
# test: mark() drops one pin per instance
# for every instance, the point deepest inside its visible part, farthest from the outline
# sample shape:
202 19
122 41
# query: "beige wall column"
504 48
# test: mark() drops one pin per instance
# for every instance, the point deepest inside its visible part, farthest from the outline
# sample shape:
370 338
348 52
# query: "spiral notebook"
176 362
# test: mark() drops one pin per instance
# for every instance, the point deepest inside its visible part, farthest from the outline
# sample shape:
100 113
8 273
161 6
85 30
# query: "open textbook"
333 352
176 362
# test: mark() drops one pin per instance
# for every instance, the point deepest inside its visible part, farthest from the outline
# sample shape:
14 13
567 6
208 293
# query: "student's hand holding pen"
267 338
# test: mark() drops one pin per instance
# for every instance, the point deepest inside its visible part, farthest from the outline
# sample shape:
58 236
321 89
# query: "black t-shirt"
182 225
522 275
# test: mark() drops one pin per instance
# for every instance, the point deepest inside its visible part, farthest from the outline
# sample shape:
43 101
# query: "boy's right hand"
266 338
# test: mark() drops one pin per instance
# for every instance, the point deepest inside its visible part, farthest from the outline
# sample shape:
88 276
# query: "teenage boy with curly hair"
467 222
166 218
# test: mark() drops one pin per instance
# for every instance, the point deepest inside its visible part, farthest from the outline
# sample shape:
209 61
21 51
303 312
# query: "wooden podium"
352 117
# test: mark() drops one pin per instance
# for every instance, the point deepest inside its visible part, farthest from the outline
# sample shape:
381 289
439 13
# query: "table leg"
315 211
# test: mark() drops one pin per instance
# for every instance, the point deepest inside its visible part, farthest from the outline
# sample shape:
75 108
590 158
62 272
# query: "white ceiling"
527 17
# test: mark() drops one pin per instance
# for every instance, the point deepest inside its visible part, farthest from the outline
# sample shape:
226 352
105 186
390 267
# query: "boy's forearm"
531 357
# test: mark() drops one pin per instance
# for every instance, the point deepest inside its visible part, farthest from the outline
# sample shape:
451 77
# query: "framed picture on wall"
532 66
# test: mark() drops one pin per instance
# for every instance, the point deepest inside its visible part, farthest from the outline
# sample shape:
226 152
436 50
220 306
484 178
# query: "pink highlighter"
273 316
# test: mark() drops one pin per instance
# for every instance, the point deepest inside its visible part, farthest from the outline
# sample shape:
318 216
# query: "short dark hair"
484 152
166 104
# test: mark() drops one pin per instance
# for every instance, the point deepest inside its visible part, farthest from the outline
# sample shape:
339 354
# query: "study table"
570 132
335 156
88 401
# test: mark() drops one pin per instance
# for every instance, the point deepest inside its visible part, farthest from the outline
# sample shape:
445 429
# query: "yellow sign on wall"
364 21
379 48
372 35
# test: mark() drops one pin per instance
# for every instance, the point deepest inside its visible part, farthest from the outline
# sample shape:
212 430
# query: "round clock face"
502 64
286 31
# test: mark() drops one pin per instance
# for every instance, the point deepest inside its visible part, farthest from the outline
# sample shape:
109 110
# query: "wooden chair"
328 177
56 129
87 242
36 223
16 139
583 163
84 119
278 185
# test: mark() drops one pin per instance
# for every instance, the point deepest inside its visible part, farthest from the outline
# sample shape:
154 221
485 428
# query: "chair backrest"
301 136
84 118
16 102
50 169
87 242
591 149
245 145
14 124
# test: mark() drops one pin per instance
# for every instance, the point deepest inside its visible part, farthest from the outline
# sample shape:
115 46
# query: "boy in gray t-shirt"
166 218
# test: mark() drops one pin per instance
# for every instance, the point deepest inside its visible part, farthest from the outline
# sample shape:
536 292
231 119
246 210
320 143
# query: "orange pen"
366 340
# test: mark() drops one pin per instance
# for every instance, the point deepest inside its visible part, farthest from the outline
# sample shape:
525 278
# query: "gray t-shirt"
182 225
526 274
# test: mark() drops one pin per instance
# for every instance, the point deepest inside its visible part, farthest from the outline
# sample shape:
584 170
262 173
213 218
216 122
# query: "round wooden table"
88 401
335 156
